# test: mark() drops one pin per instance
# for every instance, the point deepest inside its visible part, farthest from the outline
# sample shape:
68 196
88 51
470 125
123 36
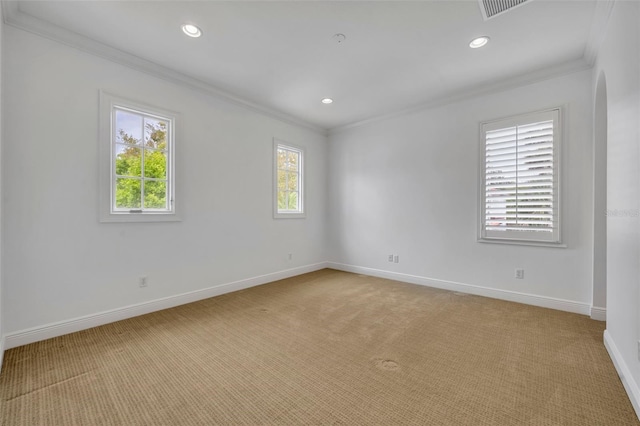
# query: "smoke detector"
491 8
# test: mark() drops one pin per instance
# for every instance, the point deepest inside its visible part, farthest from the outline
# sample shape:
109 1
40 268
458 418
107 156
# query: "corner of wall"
1 350
630 385
2 337
598 314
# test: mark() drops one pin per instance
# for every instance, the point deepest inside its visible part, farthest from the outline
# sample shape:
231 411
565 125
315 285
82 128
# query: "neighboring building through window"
137 149
289 179
520 175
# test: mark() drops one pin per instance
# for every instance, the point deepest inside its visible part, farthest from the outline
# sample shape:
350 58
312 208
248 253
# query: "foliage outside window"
140 164
140 177
520 187
289 194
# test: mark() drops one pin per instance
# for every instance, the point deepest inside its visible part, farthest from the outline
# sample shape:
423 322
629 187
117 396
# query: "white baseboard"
629 383
60 328
512 296
598 314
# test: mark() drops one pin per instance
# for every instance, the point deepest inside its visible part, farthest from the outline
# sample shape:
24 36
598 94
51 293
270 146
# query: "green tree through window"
141 162
288 180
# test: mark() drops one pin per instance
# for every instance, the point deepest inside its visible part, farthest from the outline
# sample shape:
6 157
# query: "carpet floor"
325 348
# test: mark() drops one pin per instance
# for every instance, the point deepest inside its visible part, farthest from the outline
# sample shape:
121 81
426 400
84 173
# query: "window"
137 162
289 179
520 172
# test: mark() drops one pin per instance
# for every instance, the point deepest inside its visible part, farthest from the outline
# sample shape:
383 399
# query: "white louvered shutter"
520 178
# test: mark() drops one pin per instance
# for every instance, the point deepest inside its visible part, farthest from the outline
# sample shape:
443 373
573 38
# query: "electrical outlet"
390 258
143 282
519 274
396 259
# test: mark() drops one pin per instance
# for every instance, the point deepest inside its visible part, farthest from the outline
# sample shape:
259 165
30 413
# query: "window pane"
128 127
128 160
292 181
292 160
293 201
282 180
155 133
288 181
155 164
282 200
128 194
155 194
282 158
136 162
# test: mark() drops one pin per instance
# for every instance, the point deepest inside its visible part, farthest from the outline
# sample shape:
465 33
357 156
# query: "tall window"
138 149
520 179
289 178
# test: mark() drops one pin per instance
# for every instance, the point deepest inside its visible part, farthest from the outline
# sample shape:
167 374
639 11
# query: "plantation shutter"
520 181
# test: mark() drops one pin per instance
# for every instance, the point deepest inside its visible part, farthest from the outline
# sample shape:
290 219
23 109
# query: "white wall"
2 314
408 186
61 263
618 59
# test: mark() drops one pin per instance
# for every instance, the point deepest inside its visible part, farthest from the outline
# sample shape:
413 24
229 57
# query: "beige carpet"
324 348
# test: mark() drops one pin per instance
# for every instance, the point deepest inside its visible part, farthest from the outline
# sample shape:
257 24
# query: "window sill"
139 217
522 243
289 215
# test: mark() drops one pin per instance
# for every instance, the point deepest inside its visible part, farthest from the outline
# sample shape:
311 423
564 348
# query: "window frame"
523 237
108 105
293 214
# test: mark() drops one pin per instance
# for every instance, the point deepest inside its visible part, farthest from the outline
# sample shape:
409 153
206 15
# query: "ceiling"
281 57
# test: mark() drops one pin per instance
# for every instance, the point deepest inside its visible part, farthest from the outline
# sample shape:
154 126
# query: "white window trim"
105 150
559 134
301 214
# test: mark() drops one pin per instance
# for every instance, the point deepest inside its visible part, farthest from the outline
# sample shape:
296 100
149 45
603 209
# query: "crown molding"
598 29
14 17
537 76
18 19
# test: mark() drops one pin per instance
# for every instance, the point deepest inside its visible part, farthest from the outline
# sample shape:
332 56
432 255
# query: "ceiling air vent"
491 8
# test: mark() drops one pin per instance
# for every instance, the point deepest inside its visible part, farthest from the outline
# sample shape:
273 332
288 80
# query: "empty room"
320 212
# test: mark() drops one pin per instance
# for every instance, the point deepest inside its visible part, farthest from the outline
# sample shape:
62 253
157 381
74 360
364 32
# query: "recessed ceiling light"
191 30
327 101
479 42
